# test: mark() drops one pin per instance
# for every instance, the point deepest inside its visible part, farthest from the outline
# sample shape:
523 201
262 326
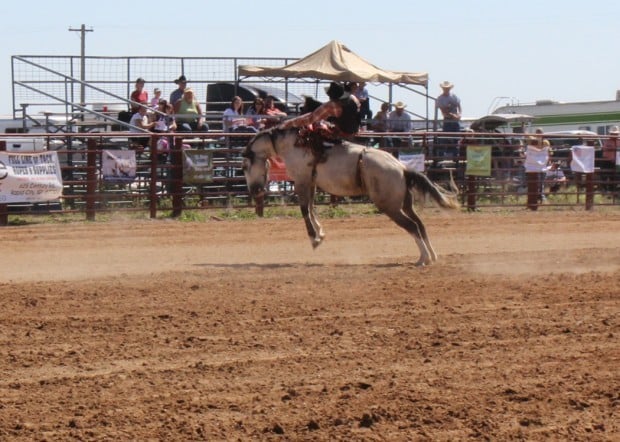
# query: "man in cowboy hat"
177 94
398 121
342 110
450 107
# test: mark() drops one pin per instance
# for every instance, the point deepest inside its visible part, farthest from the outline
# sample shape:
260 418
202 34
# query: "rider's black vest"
350 119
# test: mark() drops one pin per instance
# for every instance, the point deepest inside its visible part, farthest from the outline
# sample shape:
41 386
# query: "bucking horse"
346 169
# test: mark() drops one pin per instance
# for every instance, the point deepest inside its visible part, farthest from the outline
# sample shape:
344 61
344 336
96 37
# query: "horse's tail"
421 183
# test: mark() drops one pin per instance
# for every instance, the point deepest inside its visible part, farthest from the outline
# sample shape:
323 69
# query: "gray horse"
345 170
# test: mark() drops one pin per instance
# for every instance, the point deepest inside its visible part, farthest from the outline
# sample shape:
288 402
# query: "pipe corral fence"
160 188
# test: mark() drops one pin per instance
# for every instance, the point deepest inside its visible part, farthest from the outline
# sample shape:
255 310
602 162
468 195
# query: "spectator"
342 109
608 160
139 95
450 107
380 120
351 87
274 115
379 123
156 98
399 121
233 119
539 132
164 123
536 162
164 119
257 113
140 120
177 94
188 114
362 95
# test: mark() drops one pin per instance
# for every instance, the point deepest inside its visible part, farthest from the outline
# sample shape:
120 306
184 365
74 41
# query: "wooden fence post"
91 178
471 192
533 190
153 183
4 209
176 158
589 191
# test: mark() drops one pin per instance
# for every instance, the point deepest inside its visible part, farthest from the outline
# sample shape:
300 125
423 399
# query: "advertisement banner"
29 177
197 166
118 166
478 161
582 159
414 161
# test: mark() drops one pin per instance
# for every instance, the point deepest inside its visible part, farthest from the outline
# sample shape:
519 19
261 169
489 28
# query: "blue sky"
563 50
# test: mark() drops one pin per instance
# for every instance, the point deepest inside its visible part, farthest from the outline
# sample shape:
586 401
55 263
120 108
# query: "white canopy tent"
336 62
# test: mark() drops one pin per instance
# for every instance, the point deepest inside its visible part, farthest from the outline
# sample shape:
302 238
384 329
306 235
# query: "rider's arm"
322 112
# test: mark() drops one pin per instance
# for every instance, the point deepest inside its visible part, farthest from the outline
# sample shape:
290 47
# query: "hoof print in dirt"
277 429
313 425
368 420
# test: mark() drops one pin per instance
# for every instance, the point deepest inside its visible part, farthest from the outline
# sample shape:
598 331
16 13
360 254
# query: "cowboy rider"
342 110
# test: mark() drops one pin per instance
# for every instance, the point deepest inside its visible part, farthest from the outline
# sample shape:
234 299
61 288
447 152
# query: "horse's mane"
272 132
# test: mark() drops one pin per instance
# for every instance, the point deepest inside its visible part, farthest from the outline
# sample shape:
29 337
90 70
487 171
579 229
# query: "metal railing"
160 188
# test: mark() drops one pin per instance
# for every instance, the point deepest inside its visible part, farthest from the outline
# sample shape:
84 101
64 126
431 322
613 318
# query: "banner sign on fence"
478 161
197 166
118 166
29 178
412 161
582 159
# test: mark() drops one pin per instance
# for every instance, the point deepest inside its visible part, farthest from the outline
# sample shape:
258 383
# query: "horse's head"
264 145
255 164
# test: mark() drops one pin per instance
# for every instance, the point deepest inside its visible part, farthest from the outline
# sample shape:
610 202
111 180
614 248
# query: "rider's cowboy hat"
181 79
334 91
446 85
400 105
614 131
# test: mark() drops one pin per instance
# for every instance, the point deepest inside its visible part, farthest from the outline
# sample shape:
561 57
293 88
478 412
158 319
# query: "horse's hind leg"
408 209
306 204
415 229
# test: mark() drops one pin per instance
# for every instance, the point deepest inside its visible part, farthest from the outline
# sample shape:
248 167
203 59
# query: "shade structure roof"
335 62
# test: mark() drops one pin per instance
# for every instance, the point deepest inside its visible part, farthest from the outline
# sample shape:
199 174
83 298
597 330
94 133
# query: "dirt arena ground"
238 330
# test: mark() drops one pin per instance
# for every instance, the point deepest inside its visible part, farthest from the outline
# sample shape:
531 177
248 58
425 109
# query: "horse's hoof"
316 242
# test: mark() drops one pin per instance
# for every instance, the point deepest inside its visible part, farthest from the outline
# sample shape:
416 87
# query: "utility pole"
82 30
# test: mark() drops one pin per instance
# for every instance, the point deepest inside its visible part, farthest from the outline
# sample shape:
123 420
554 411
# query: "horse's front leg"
306 204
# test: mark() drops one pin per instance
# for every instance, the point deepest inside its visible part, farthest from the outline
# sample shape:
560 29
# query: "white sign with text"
29 177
